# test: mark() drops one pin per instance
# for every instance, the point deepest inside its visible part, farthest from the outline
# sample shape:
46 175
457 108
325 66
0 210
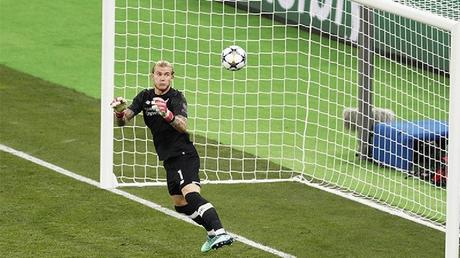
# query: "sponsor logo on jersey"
149 111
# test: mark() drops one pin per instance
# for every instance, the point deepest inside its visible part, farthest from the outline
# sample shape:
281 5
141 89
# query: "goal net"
247 125
333 93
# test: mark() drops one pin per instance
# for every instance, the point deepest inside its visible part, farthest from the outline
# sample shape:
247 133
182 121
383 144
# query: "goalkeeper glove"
160 106
118 105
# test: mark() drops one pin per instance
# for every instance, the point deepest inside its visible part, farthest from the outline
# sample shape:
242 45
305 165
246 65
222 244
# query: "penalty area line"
132 197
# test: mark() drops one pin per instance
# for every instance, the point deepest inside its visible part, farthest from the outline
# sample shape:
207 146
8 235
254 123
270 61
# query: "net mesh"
283 114
445 8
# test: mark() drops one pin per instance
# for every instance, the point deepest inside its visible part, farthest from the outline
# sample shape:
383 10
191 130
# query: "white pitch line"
133 198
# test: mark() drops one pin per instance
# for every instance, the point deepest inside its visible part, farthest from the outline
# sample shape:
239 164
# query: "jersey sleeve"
179 107
136 105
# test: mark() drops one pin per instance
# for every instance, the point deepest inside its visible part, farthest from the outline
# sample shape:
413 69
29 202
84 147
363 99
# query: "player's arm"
179 122
122 114
125 116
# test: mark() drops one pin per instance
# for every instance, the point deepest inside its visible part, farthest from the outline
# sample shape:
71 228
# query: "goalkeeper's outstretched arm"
122 114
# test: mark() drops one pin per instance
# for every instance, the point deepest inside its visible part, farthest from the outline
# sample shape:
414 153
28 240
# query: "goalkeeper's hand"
119 105
159 105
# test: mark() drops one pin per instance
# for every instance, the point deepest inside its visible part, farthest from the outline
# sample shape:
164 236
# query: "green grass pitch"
46 215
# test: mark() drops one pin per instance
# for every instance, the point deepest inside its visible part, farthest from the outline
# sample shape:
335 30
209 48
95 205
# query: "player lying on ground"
165 113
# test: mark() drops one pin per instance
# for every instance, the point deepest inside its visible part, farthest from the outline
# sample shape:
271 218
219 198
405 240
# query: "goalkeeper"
165 113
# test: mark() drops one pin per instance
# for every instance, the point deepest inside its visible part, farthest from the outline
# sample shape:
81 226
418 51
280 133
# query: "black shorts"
181 171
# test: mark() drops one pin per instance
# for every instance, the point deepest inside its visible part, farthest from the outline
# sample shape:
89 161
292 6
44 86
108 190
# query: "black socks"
205 210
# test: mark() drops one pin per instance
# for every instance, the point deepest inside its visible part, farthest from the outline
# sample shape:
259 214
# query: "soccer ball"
233 58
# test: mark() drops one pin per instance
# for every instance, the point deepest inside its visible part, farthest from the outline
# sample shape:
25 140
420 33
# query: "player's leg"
174 180
202 207
210 217
181 206
187 169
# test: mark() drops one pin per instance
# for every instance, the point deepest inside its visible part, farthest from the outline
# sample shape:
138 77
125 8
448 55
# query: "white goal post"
107 177
317 71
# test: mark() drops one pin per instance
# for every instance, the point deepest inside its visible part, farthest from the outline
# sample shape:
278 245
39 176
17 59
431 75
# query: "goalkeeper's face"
162 77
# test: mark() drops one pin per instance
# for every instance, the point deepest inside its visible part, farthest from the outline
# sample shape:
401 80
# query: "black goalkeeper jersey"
168 141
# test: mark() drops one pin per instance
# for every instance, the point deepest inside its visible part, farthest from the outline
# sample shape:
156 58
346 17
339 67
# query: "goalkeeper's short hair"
163 63
350 117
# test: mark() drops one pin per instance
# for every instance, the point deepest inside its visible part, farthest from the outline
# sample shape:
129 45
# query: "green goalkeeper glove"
119 105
